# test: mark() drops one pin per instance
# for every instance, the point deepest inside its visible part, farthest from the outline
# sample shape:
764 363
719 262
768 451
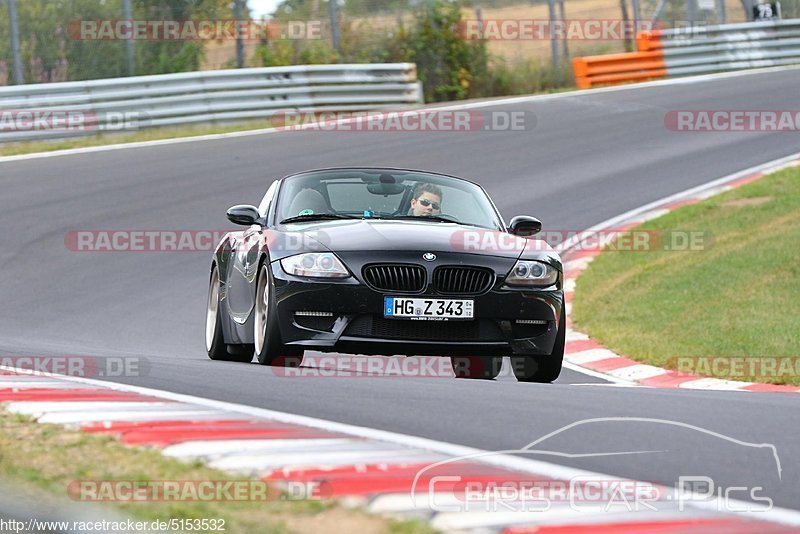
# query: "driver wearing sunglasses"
426 200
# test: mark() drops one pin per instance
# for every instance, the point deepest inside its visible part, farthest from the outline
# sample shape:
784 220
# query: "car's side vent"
457 280
395 277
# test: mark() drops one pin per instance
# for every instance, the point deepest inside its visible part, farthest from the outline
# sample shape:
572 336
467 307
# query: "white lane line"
637 372
229 447
40 408
258 464
589 356
603 385
613 380
23 377
714 383
81 412
311 450
403 503
580 264
598 514
37 384
714 191
446 107
649 216
132 416
574 335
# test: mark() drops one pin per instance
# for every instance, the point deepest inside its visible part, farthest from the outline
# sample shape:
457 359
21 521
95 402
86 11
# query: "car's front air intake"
375 326
457 280
395 277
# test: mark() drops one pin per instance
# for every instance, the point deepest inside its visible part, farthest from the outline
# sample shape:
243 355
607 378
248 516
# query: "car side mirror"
525 226
243 214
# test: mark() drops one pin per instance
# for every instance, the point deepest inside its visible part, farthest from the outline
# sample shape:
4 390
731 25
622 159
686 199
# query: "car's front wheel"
215 343
481 367
269 349
542 368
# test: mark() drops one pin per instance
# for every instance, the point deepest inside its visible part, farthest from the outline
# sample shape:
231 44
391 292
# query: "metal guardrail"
120 104
696 50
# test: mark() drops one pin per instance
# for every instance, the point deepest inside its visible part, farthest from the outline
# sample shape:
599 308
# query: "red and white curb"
587 355
372 469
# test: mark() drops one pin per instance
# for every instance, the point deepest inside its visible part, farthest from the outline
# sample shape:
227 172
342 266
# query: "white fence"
59 110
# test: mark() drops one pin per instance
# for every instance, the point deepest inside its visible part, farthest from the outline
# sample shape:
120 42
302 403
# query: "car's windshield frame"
276 202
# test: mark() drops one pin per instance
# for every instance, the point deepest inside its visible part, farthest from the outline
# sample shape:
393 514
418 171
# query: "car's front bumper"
356 323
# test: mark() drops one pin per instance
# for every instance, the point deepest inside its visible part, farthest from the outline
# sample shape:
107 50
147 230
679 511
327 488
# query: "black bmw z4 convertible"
384 261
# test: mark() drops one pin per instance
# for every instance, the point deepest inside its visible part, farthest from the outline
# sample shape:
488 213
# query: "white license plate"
422 309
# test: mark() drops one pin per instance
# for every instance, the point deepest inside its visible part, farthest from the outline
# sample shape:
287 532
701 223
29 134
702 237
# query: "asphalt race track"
588 158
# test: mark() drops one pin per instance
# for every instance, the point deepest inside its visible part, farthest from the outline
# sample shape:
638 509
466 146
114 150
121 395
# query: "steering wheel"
442 215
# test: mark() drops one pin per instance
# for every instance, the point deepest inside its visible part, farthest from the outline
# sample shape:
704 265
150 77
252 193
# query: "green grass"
738 297
41 460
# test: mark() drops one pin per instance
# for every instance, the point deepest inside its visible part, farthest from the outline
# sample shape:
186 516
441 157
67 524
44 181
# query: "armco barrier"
197 97
695 50
618 68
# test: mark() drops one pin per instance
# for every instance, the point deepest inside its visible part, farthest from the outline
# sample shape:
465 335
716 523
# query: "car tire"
268 347
216 347
546 368
476 367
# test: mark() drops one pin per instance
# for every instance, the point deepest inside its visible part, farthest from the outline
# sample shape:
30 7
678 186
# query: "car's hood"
411 235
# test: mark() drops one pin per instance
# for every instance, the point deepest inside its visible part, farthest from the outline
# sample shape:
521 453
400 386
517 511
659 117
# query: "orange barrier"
694 50
618 68
647 41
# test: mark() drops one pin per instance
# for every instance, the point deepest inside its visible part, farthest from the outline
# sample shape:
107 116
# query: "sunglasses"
425 202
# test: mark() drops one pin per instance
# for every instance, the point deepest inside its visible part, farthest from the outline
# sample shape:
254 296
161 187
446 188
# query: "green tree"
447 64
52 50
161 57
5 45
89 59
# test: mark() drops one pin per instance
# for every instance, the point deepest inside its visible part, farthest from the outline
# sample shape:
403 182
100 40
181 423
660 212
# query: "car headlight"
315 265
532 273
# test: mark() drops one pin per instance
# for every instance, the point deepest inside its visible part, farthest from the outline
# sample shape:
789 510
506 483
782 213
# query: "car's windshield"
384 194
